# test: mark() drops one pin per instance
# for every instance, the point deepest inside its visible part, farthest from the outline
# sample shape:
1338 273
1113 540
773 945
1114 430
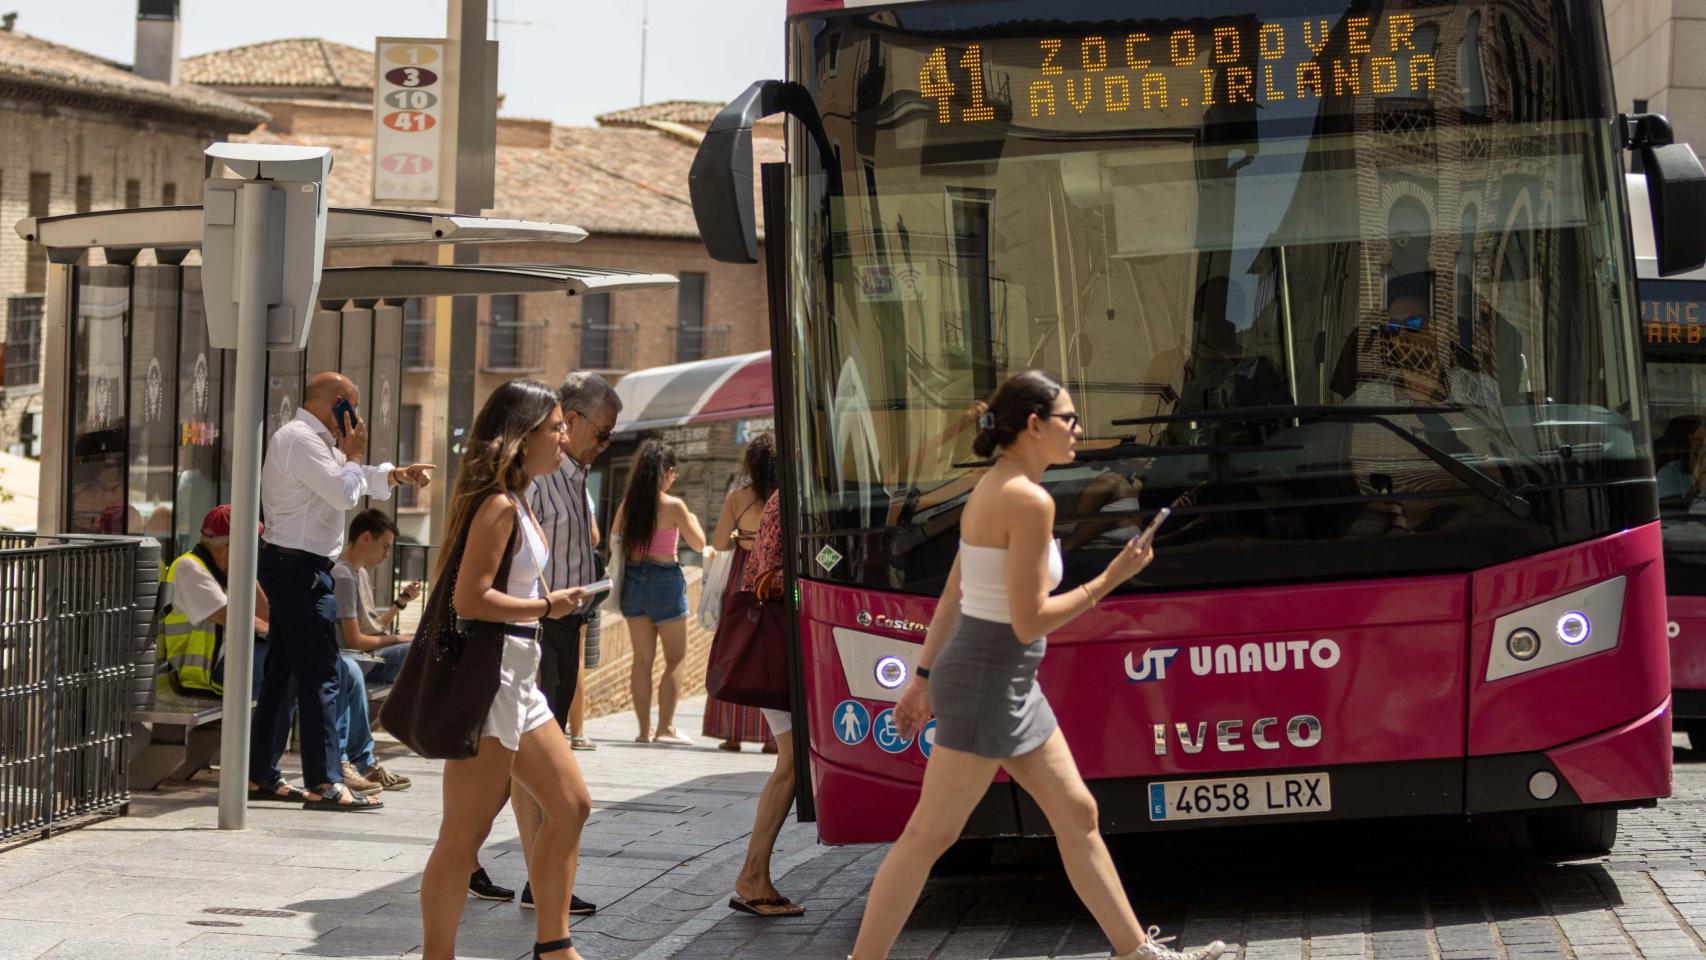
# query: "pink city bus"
1349 286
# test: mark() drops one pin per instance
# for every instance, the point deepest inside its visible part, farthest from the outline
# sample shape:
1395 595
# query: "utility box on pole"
293 180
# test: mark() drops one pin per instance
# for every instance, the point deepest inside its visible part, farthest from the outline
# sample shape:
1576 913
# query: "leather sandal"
540 949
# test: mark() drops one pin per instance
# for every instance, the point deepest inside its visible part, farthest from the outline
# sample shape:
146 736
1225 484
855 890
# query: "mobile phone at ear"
1148 532
344 412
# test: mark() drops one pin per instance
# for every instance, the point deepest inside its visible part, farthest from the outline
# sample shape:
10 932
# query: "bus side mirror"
720 180
1676 193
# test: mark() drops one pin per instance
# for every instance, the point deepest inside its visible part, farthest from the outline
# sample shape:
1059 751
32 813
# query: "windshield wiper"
1487 486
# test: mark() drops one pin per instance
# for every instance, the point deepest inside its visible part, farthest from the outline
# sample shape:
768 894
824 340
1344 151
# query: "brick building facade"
82 133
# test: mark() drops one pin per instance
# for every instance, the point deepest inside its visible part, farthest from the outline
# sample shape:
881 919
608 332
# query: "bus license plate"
1240 797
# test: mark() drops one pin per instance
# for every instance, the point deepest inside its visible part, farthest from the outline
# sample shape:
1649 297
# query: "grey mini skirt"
983 690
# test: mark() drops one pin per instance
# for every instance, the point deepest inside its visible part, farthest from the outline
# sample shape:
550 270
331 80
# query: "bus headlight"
890 672
1523 643
1578 624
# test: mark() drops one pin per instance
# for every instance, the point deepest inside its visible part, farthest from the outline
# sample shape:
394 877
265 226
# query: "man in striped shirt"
560 501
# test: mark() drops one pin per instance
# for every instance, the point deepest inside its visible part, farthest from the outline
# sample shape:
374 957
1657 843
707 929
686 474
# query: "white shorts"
520 705
780 721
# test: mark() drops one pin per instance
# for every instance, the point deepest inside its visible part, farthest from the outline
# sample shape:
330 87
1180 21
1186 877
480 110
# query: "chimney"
157 40
8 21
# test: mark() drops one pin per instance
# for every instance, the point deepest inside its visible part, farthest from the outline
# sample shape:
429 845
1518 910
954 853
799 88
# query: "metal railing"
700 343
608 347
76 657
514 347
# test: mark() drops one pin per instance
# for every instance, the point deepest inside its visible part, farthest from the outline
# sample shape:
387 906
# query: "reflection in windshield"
1428 226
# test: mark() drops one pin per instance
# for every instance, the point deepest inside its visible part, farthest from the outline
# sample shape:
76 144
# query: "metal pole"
245 503
456 337
1285 326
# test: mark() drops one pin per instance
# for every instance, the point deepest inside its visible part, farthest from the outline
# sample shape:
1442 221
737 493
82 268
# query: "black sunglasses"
1413 323
1072 420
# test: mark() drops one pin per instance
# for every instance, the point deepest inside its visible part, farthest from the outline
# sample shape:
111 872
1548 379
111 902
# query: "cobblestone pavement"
668 833
1390 891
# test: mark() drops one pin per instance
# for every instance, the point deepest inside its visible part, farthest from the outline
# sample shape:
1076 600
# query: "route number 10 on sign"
408 120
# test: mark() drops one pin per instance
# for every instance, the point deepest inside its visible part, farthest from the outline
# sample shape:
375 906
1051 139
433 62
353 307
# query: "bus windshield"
1266 220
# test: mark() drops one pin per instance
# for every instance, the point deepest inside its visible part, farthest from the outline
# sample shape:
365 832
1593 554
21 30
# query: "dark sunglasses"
1413 323
1071 419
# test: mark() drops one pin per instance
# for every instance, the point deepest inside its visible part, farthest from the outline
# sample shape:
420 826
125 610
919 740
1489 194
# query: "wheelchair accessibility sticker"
887 734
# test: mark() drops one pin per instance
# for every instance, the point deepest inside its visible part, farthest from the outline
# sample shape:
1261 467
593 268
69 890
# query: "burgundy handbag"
749 654
449 679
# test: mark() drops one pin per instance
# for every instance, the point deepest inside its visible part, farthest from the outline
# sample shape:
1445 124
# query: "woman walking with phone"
652 525
977 673
515 440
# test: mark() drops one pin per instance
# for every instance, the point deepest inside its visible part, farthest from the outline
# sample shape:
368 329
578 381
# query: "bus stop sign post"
263 240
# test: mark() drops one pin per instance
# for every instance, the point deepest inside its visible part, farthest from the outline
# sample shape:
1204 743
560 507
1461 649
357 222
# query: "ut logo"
1154 665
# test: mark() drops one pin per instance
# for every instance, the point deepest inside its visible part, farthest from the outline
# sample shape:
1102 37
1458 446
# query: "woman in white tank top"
977 674
515 439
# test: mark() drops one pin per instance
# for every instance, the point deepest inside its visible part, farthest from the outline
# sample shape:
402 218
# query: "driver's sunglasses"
1413 323
1072 420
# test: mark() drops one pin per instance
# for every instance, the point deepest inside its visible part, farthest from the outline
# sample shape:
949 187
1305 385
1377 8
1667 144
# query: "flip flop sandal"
269 793
767 907
333 800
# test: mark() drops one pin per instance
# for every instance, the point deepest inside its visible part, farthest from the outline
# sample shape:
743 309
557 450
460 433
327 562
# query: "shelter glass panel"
99 411
153 371
201 391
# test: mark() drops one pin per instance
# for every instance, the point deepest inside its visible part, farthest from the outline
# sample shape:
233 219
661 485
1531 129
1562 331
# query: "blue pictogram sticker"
887 734
852 722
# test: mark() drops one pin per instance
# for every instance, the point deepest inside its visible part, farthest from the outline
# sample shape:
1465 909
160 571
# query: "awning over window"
704 390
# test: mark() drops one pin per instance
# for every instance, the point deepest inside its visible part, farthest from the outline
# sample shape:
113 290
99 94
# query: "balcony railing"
514 347
608 347
698 343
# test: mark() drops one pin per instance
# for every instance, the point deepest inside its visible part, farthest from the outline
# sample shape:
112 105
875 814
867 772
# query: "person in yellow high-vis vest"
192 635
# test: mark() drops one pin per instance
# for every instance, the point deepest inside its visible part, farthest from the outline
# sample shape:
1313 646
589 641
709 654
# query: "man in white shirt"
313 475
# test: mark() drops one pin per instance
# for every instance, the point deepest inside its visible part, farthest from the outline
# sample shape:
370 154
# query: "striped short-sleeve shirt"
560 502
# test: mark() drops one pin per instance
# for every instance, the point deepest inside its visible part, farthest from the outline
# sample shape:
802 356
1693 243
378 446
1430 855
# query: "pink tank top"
665 542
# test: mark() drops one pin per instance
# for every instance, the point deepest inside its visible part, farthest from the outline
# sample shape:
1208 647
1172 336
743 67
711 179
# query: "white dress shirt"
308 485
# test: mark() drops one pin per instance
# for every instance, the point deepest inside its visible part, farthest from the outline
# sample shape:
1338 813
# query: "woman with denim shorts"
654 592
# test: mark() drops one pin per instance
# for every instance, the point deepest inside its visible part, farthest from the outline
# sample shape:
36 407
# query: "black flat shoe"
577 906
482 887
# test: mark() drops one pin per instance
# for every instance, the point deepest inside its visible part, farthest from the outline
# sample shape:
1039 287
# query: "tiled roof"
32 64
620 182
300 62
693 112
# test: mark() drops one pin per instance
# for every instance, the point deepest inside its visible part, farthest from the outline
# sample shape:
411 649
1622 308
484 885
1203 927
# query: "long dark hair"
1009 412
645 486
492 463
759 465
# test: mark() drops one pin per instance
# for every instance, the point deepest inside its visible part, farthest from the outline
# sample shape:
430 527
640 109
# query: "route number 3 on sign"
408 120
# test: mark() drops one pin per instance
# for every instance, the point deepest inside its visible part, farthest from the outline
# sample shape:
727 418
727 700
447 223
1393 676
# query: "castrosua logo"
1269 656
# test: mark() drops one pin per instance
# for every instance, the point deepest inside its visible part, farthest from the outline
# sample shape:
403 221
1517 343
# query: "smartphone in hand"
597 587
344 411
1148 533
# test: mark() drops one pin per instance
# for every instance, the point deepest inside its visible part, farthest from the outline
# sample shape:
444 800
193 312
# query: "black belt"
321 560
520 631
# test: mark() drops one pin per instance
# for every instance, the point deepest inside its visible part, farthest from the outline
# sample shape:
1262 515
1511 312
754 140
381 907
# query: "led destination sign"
1166 67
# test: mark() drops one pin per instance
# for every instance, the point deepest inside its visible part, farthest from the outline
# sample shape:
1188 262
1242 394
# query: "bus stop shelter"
135 402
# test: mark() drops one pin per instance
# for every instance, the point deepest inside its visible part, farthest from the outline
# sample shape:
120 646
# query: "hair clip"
986 421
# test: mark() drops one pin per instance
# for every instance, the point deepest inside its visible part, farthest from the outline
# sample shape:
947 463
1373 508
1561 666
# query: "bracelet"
921 672
547 606
399 605
1086 588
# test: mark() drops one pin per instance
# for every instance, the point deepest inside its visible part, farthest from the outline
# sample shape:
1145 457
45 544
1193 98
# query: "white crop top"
983 580
530 556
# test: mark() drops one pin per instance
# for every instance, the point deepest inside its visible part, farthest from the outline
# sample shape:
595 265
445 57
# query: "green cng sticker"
827 558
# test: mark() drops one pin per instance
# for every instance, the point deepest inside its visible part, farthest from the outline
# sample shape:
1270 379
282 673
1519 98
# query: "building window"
690 318
85 193
503 335
35 263
23 341
29 435
132 194
408 440
595 331
168 194
417 336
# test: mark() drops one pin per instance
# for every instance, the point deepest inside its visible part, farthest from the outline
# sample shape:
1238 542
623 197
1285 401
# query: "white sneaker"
678 739
1152 949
